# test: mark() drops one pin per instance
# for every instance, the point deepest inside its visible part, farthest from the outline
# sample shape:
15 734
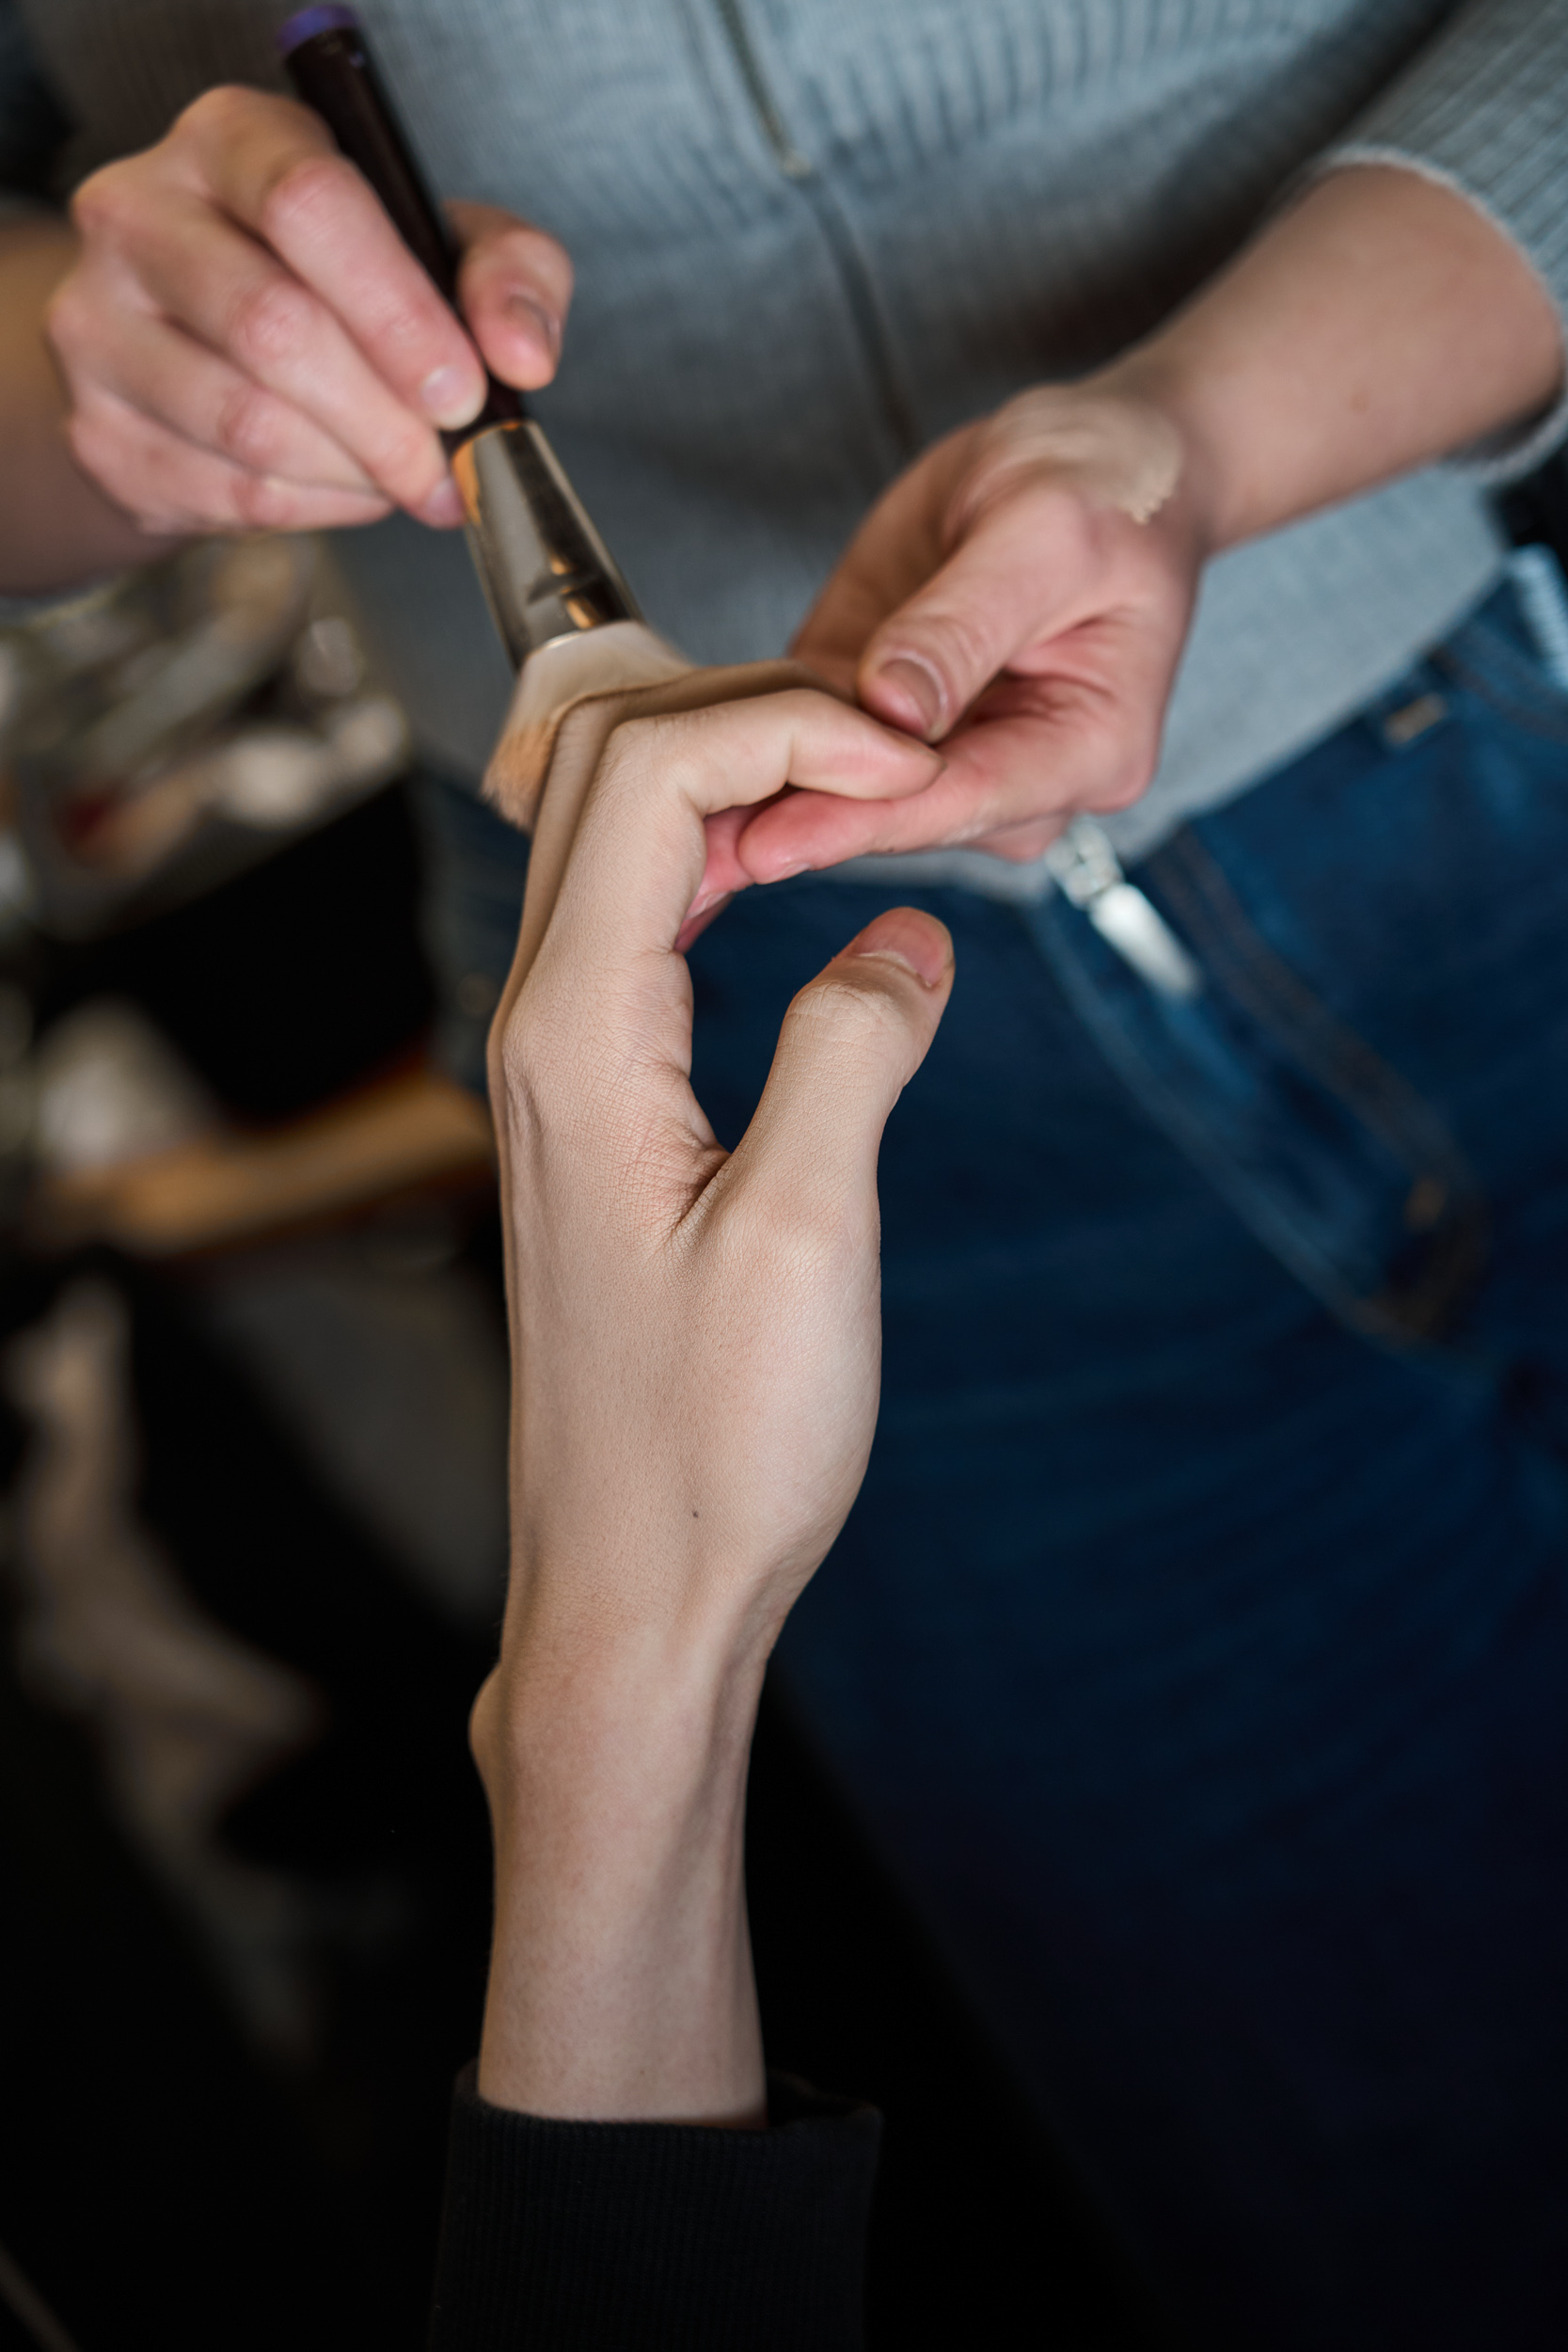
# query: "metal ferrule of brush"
545 570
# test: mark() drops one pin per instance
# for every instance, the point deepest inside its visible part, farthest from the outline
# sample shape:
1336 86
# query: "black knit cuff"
646 2237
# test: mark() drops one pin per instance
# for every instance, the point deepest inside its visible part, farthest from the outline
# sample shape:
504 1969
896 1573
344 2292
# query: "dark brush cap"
307 22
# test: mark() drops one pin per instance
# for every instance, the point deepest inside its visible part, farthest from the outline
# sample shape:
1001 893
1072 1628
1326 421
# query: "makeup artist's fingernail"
911 693
913 945
530 319
444 506
448 397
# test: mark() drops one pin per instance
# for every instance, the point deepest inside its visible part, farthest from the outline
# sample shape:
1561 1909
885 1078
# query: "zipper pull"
1088 872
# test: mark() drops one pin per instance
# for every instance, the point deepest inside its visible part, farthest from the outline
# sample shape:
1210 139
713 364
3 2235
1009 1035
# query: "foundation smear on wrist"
1120 452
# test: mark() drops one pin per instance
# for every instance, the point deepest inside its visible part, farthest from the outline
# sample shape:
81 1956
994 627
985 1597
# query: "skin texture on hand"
696 1346
1039 569
1003 599
244 342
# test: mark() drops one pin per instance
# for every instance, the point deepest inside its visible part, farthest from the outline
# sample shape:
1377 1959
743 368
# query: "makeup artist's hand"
247 343
696 1347
1023 594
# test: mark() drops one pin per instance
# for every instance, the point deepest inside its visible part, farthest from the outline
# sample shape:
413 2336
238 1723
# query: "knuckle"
1129 776
856 1015
248 428
270 322
301 200
626 746
532 1094
636 746
633 741
104 204
516 1046
484 1728
220 114
406 324
681 745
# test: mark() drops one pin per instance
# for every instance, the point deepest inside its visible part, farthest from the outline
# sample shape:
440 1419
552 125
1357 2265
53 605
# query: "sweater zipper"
1083 863
854 277
764 105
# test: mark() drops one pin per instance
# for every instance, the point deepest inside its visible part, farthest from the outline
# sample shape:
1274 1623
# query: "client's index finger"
621 850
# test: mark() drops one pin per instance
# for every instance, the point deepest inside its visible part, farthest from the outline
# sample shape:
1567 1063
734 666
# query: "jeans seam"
1348 1067
1281 1002
1170 1110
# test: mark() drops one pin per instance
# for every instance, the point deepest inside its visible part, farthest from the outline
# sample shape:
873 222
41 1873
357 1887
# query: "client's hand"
696 1344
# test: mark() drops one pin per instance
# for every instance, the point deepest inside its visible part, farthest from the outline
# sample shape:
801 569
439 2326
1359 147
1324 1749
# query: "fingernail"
448 397
914 947
698 915
911 693
444 506
784 871
533 321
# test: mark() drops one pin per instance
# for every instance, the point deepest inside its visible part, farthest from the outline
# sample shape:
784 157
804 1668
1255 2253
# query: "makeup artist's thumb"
928 661
513 288
851 1042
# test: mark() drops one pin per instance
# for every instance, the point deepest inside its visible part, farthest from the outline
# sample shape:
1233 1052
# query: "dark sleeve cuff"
650 2237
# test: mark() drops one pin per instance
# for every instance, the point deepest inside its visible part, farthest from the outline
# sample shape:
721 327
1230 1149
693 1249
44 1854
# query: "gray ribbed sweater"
811 235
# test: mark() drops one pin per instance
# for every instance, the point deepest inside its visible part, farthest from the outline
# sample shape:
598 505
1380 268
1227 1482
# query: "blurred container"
162 733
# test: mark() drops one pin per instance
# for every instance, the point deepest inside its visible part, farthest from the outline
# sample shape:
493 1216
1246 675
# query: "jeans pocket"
1334 1161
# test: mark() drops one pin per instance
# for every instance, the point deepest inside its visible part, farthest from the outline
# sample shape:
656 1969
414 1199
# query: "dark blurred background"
252 1413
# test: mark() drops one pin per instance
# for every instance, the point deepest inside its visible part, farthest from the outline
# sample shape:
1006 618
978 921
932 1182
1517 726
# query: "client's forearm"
1381 323
621 1981
59 530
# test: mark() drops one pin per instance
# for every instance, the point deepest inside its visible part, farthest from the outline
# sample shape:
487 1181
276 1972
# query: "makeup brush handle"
546 573
328 61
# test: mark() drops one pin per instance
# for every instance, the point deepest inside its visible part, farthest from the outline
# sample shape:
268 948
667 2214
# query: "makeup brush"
565 614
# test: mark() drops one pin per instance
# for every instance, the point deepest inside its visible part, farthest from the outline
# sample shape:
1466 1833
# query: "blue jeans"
1197 1649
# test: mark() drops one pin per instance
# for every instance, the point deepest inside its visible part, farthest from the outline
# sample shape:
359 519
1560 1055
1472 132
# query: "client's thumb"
851 1042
